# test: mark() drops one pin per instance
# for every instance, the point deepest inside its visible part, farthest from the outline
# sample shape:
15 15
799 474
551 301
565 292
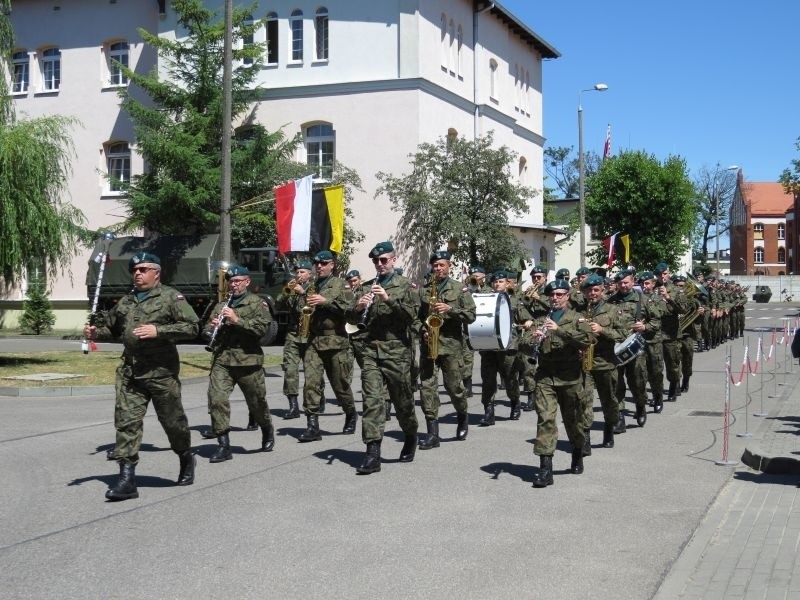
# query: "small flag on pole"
615 244
607 147
309 221
625 242
609 243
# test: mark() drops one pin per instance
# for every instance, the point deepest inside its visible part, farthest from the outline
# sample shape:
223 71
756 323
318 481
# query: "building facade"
363 82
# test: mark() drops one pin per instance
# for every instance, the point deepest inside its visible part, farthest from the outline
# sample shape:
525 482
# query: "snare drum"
491 329
631 348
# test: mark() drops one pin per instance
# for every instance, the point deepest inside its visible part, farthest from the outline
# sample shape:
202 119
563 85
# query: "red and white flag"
607 147
293 215
610 243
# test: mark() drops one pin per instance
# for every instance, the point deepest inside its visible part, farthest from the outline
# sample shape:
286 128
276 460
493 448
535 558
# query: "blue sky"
714 82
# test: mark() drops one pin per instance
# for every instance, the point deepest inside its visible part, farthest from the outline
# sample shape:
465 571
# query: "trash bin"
762 294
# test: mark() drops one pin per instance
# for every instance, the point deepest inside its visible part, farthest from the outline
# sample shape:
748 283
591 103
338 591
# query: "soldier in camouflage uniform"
654 349
238 360
686 337
456 308
676 304
387 309
294 347
537 305
561 339
149 321
477 285
327 351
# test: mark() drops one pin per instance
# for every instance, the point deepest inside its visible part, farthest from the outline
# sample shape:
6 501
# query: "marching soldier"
149 321
387 310
675 305
654 350
476 283
686 337
536 304
560 338
444 301
238 359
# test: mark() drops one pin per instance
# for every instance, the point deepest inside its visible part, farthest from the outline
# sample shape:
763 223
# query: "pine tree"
37 316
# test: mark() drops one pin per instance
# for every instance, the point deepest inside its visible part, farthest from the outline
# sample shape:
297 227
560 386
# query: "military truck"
190 264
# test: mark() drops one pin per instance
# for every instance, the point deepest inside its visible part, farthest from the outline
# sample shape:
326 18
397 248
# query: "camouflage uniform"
294 346
150 367
633 308
239 359
676 306
654 350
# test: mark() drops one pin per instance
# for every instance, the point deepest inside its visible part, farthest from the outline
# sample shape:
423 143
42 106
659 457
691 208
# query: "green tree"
37 314
459 194
179 127
35 163
790 177
715 189
653 203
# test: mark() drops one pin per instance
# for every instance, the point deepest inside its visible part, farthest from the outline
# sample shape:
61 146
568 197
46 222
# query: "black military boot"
388 411
462 426
544 476
268 438
350 420
110 453
514 416
432 441
223 452
208 434
685 384
641 416
294 408
620 426
587 443
488 415
528 406
673 390
608 435
372 459
577 462
321 405
251 422
125 488
468 386
187 464
409 448
311 434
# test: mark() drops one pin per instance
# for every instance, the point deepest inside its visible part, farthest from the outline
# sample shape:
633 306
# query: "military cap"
381 248
677 278
353 273
536 270
143 257
623 274
562 274
499 274
608 281
591 281
511 274
556 284
646 275
582 271
477 269
439 255
304 264
323 255
660 268
237 271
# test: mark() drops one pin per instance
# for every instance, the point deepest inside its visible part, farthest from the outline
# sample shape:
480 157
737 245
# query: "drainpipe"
477 115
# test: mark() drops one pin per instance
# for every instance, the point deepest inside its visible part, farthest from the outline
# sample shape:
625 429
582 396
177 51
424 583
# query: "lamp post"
716 221
744 264
598 87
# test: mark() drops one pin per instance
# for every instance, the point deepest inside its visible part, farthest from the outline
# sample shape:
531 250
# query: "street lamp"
744 264
598 87
716 221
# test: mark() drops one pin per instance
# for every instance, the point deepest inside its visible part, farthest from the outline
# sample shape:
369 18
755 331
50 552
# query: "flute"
537 344
220 323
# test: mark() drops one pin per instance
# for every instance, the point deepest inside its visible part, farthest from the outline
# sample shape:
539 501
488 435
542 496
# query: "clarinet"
220 323
362 322
537 345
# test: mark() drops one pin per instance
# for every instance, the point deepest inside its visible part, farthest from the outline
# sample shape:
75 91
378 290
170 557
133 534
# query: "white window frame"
782 250
444 46
758 231
451 49
460 53
321 28
314 142
50 67
493 92
248 40
21 65
118 54
758 255
296 37
781 231
118 165
272 38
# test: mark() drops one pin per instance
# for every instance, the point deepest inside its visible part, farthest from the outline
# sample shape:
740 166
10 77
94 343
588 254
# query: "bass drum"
491 329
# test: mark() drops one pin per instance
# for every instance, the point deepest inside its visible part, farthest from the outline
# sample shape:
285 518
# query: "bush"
37 316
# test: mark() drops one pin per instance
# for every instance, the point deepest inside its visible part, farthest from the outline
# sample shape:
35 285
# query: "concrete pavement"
655 516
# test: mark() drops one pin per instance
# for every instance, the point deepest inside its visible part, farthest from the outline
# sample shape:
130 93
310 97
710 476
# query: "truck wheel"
271 335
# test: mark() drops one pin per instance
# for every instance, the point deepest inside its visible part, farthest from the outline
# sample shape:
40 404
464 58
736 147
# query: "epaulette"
264 304
179 297
465 289
414 285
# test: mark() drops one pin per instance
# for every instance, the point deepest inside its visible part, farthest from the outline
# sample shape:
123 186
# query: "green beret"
536 270
477 269
558 284
353 273
323 255
236 270
439 255
143 257
660 268
623 274
582 271
646 276
591 281
304 264
381 248
562 274
499 274
678 278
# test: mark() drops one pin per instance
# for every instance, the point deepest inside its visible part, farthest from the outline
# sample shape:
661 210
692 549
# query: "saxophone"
434 320
307 311
588 353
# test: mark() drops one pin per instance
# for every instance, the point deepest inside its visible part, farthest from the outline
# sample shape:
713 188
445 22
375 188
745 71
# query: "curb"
757 459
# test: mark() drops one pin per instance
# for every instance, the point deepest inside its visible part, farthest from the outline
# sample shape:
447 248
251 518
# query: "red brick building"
761 240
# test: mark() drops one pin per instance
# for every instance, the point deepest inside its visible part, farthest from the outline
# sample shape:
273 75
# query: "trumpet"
472 280
534 289
307 311
434 321
588 353
537 344
288 287
220 322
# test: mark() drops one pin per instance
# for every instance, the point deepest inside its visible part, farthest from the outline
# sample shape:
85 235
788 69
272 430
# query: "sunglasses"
237 281
381 259
538 276
143 269
322 262
559 294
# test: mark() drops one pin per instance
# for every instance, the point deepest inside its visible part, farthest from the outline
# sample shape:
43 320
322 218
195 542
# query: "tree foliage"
715 188
459 194
36 224
790 177
179 128
652 202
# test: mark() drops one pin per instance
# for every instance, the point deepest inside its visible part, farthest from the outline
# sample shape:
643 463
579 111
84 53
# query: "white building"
364 82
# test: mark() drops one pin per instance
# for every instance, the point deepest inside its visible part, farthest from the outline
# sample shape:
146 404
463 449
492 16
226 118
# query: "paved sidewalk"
747 544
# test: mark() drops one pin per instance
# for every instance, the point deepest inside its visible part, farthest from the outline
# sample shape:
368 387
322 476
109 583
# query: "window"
758 255
272 38
51 69
758 231
321 33
118 161
320 146
493 79
296 27
523 170
451 59
248 40
526 94
781 231
782 255
21 70
517 88
444 44
118 58
543 257
459 52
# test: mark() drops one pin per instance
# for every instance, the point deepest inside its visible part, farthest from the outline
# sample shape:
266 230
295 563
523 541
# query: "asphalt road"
460 521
